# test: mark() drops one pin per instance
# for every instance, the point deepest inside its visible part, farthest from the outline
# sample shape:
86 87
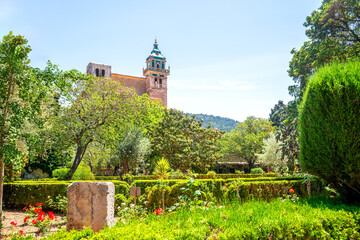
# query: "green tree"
334 34
96 107
271 154
285 119
246 140
330 128
131 150
183 141
22 92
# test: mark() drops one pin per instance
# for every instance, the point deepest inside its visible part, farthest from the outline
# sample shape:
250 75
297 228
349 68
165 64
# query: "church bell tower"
156 75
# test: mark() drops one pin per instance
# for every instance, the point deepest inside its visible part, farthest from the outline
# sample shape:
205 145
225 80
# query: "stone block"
90 204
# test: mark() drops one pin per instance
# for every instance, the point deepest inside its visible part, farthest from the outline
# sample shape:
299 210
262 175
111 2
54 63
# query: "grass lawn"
306 219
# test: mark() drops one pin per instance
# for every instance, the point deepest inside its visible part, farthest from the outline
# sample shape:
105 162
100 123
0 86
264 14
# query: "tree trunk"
251 165
163 199
77 160
1 188
238 194
2 139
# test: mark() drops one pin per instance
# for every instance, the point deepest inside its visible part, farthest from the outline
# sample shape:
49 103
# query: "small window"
156 81
160 81
103 73
157 65
152 63
97 72
163 66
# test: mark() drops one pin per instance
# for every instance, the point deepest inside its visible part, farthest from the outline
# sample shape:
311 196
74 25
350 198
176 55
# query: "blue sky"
227 58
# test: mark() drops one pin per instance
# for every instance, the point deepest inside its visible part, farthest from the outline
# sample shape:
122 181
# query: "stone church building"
153 82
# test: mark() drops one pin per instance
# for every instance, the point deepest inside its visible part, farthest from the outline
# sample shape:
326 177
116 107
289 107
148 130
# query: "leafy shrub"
61 173
176 174
83 172
119 199
257 170
211 174
330 127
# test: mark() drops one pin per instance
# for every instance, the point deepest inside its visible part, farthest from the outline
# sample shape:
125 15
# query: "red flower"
38 204
225 186
147 202
37 210
159 211
21 232
291 190
26 218
24 208
51 215
13 223
34 221
41 216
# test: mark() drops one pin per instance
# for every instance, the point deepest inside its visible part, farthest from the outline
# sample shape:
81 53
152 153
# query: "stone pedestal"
90 204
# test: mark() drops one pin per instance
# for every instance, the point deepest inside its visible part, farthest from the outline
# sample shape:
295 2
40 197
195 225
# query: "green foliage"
257 170
21 193
61 173
209 176
176 174
330 126
272 155
311 219
58 203
285 118
246 140
119 199
220 123
23 90
333 32
220 190
83 172
162 169
183 141
131 150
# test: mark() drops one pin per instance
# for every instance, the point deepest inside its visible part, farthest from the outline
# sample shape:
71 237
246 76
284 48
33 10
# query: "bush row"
210 176
149 183
19 194
224 190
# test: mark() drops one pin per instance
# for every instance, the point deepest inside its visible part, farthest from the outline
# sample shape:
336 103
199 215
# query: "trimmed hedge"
107 178
221 190
330 128
211 176
149 183
21 193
